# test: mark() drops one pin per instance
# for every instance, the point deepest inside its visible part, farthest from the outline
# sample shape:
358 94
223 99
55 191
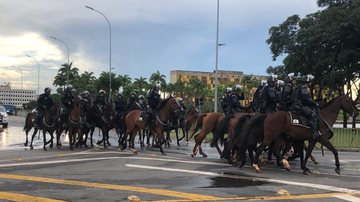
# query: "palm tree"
197 86
158 78
141 83
62 75
87 81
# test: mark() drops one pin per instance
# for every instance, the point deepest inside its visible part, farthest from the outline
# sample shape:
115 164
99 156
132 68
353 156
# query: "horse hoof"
134 151
31 147
192 155
257 168
204 155
25 144
337 170
286 165
163 153
315 162
45 149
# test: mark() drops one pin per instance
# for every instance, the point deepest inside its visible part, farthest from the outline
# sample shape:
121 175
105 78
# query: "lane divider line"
24 198
162 192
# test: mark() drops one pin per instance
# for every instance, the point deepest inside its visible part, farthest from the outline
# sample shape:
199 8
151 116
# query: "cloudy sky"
147 35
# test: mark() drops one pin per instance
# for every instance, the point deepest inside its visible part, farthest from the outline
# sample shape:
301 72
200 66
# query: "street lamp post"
68 60
38 83
216 59
110 44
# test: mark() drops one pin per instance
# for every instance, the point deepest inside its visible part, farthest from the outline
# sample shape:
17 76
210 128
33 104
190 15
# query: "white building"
16 97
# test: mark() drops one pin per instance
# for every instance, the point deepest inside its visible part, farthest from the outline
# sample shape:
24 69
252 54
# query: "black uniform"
153 99
235 98
307 107
44 103
225 103
269 99
67 100
257 99
286 96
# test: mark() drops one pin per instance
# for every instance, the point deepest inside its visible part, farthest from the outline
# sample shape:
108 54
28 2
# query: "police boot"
314 131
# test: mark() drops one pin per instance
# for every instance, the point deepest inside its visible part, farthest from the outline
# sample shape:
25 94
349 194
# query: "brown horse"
134 123
280 122
190 119
74 122
208 122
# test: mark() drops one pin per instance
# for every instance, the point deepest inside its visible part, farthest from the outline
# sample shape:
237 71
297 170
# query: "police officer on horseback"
235 96
67 101
141 102
305 105
120 108
268 95
86 100
287 92
132 101
257 98
153 99
44 103
183 108
225 101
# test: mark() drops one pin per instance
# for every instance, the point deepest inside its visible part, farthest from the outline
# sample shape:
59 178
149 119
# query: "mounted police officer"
86 99
225 102
44 103
132 101
141 102
305 105
153 99
268 95
235 96
120 108
67 101
257 98
99 105
182 105
287 92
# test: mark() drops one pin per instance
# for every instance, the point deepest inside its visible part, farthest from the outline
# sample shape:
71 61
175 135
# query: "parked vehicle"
3 117
10 109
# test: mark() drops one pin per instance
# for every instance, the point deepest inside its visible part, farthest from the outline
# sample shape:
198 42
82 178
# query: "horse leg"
91 136
51 141
32 138
194 150
44 140
258 152
330 146
27 141
312 158
276 147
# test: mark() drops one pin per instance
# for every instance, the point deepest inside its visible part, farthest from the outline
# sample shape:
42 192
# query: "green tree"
141 83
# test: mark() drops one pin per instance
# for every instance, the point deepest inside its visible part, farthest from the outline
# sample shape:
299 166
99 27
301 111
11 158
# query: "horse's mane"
331 101
163 103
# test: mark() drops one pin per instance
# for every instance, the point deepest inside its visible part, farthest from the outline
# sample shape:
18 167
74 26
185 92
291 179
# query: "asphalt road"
97 174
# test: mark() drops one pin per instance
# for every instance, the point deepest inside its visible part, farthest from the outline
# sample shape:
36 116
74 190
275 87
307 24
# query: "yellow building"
224 77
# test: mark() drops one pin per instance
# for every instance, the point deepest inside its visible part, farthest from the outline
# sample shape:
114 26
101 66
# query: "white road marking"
348 198
310 185
105 158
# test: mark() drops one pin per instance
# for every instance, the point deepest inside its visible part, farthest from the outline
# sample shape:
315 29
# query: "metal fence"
346 138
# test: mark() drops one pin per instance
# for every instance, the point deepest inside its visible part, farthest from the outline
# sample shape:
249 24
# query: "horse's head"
170 104
347 105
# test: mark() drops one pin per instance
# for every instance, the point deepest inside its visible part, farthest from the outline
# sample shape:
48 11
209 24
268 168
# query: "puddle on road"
226 182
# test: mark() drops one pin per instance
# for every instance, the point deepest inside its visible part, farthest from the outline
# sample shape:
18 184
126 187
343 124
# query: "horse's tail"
26 121
240 124
197 125
220 130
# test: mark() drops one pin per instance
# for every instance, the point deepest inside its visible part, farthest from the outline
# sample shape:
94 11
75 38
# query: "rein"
161 122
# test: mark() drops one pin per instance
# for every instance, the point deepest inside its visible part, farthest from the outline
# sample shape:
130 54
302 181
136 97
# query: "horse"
208 122
133 123
104 123
190 118
47 124
73 124
280 122
29 124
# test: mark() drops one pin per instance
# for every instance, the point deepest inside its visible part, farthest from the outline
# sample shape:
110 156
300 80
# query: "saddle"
298 120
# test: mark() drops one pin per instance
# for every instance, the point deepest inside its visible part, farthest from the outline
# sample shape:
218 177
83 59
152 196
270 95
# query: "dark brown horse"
191 116
47 124
208 122
29 124
134 123
280 122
